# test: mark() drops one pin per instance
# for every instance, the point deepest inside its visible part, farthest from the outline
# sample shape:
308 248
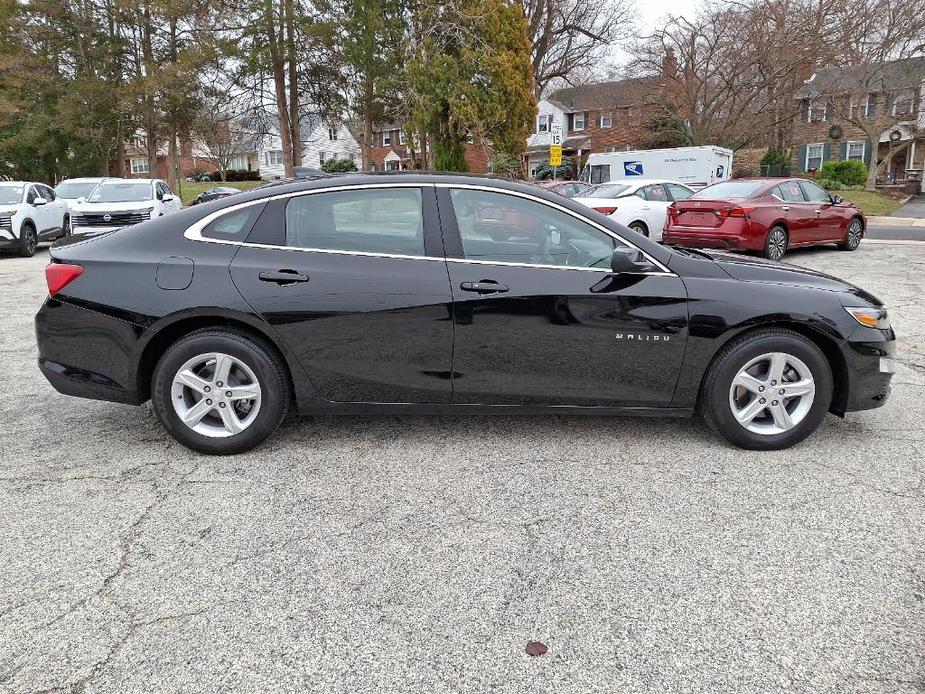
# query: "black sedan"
397 294
216 193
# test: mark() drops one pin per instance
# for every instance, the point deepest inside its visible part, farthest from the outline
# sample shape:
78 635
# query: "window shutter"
867 152
826 152
804 111
801 164
843 150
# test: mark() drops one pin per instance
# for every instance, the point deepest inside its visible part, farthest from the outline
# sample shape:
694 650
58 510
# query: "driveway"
914 209
419 554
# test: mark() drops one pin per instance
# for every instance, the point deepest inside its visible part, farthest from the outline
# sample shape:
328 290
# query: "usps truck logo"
632 168
720 170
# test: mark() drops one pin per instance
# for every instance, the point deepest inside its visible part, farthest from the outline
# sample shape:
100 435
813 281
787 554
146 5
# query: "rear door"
354 281
656 206
540 319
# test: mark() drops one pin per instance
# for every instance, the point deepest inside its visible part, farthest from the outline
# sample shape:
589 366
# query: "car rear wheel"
639 228
767 390
853 235
220 392
28 240
775 245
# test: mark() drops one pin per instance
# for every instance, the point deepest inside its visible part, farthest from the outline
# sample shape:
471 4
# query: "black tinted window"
233 226
789 191
815 192
387 220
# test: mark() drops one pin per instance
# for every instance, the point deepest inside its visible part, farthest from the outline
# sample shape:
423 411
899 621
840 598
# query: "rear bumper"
732 234
97 365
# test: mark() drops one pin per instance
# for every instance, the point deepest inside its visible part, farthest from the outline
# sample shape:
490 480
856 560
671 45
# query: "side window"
506 228
640 193
47 193
162 190
31 195
233 226
656 193
600 173
789 191
678 192
386 220
815 192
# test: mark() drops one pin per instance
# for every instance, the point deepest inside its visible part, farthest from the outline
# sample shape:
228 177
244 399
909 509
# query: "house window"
606 120
386 138
322 155
903 104
578 121
140 166
332 134
813 157
855 150
816 112
542 123
401 137
274 157
868 106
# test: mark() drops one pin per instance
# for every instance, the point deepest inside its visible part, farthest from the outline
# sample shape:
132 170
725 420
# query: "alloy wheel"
853 237
777 244
216 395
772 393
31 242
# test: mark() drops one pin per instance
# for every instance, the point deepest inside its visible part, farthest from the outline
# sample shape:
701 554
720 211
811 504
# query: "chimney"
669 65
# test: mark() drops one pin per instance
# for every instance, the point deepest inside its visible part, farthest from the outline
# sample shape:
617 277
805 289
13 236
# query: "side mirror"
625 260
38 202
838 199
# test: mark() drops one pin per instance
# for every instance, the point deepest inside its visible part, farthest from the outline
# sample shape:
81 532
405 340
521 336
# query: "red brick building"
389 151
137 165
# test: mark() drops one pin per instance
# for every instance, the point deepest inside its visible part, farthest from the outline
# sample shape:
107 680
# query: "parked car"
382 294
215 193
641 205
29 213
70 190
120 202
693 166
766 215
568 189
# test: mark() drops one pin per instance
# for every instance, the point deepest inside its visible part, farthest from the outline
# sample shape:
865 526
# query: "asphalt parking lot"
422 554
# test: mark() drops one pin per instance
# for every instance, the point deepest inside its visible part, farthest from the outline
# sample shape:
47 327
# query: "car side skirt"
440 409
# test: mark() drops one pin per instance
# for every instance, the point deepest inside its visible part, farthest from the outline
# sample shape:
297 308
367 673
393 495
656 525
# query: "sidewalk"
897 221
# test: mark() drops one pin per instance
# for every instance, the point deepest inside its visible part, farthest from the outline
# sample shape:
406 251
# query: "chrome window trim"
194 231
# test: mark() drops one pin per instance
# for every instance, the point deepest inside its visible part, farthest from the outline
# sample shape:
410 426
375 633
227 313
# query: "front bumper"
98 364
93 231
871 359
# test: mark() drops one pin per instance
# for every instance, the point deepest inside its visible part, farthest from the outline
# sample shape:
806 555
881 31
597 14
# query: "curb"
896 221
894 242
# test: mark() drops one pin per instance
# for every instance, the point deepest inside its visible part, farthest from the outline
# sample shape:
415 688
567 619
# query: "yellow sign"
555 155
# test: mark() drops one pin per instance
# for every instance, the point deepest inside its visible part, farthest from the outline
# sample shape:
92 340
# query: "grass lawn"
871 204
188 191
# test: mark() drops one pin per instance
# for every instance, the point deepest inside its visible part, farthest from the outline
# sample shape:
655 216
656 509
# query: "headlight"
870 317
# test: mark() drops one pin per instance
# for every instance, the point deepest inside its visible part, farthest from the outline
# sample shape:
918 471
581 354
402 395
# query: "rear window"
729 190
605 191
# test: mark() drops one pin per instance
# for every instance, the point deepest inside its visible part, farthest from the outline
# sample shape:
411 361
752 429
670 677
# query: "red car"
768 215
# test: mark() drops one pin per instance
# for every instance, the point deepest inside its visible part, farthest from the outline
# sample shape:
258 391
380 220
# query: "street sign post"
555 148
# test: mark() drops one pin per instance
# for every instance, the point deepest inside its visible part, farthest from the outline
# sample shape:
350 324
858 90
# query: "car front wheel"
28 241
220 392
767 390
853 235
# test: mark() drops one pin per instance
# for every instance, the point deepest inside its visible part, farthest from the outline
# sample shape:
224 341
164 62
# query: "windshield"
122 192
10 195
606 191
74 189
729 190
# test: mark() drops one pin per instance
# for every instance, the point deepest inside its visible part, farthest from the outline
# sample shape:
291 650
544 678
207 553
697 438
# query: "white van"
695 167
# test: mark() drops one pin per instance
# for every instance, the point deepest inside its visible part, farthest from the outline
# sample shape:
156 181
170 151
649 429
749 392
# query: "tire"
763 430
775 244
28 240
253 363
66 226
853 235
639 228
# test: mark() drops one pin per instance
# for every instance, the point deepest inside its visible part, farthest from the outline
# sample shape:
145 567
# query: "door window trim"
194 231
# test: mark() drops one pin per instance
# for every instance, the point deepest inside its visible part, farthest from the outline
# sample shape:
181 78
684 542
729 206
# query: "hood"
752 269
113 206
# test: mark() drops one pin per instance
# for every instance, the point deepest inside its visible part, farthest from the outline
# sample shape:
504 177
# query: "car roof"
19 184
87 179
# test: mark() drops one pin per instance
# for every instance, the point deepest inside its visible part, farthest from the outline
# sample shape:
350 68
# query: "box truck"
693 166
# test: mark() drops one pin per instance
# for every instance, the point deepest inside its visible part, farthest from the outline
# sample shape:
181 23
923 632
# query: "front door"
827 219
797 211
540 318
355 283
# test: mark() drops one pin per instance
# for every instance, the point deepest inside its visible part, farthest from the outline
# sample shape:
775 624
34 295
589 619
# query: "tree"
344 165
471 74
222 136
570 38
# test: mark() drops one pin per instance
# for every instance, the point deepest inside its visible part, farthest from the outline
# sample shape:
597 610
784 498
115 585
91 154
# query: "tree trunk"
279 84
172 162
366 144
295 124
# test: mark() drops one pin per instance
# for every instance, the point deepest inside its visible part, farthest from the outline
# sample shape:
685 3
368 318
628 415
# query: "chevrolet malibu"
395 294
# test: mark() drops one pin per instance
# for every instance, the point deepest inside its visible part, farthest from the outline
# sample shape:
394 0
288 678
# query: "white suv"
29 213
73 189
121 202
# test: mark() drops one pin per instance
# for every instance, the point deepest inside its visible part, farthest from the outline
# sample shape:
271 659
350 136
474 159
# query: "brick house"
389 150
885 99
137 165
602 117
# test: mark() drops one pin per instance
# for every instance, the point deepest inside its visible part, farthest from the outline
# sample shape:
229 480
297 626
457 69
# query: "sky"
649 12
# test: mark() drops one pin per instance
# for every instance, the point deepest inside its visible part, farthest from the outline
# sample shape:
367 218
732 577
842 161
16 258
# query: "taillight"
605 210
59 275
737 211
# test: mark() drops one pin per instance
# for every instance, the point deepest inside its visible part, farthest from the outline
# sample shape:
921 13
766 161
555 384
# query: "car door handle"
818 212
283 277
484 287
785 208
